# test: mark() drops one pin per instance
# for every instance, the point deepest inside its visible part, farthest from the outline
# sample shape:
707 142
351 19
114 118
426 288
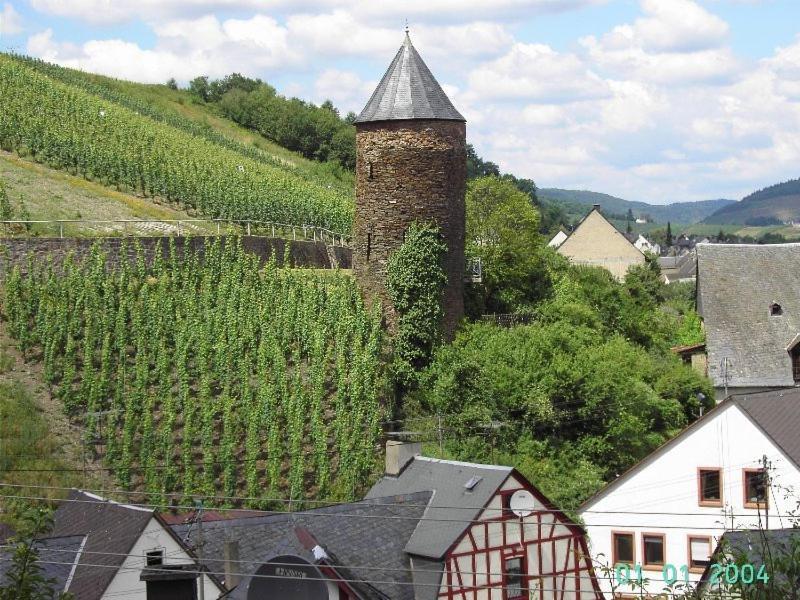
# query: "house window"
153 558
622 548
775 309
755 488
653 549
709 482
795 354
505 502
699 553
514 578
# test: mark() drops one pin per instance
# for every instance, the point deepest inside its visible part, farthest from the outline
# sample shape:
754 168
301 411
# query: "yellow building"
597 242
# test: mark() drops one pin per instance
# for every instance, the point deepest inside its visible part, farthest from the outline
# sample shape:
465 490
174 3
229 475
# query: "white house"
557 239
665 516
645 245
119 542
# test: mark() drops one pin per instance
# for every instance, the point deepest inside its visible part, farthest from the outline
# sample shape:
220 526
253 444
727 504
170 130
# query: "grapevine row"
205 374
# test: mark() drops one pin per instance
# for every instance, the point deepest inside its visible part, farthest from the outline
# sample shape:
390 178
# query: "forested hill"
677 212
772 205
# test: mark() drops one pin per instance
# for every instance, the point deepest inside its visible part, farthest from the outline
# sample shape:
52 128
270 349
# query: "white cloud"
106 12
345 89
535 72
183 50
10 21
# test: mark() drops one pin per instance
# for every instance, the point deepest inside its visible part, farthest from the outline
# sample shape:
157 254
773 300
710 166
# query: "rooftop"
736 285
408 90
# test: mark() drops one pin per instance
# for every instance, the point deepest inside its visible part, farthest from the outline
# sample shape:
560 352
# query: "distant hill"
677 212
773 205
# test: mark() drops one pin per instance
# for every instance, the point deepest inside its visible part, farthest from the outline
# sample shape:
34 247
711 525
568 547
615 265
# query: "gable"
597 242
727 437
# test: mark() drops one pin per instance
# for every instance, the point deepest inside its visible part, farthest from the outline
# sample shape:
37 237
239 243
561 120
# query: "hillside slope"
677 212
108 136
773 205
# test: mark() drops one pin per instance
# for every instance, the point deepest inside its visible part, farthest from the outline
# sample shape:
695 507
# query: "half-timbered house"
487 533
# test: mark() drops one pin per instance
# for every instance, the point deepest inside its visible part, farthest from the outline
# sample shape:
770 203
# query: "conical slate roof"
408 90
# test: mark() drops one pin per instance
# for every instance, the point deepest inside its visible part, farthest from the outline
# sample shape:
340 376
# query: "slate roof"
452 506
752 543
57 558
736 286
408 90
370 533
109 528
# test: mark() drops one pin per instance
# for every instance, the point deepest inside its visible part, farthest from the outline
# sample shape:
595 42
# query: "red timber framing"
569 572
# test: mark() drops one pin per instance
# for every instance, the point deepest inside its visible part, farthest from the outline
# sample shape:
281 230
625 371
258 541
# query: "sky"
653 100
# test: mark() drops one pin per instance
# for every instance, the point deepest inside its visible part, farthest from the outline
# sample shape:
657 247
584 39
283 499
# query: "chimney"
399 454
230 554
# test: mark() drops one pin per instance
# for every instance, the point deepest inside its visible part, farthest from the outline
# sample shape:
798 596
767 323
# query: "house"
557 239
487 532
103 548
645 245
748 296
773 554
678 268
693 355
595 241
58 559
673 507
429 529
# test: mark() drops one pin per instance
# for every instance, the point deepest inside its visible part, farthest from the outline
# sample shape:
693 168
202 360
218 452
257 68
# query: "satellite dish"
522 503
288 576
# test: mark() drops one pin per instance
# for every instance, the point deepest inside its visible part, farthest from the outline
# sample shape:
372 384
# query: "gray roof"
778 414
111 529
452 506
369 534
408 90
736 286
57 557
751 543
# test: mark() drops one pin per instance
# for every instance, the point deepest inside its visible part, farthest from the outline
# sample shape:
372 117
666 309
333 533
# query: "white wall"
126 584
668 484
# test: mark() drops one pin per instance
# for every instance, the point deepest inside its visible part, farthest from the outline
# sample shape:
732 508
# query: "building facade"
410 167
665 516
596 242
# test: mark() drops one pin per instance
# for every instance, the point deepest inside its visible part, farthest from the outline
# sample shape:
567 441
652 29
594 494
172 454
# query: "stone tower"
410 166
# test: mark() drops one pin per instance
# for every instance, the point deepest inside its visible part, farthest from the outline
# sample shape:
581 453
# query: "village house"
557 239
749 299
678 268
596 242
644 245
666 514
429 529
102 550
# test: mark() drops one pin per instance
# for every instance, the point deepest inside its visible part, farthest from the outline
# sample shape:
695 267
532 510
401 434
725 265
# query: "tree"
172 84
629 220
669 234
199 87
6 213
502 230
24 577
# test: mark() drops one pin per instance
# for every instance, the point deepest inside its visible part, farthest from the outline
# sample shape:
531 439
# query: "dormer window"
775 310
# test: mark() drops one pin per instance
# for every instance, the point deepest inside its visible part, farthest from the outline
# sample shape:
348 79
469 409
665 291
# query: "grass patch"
26 443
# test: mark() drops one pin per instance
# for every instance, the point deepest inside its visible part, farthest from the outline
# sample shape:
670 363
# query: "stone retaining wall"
15 251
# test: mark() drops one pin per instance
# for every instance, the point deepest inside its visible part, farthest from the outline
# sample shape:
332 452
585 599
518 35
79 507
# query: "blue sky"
654 100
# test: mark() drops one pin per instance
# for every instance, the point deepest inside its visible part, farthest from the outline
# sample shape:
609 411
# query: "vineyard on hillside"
68 128
204 374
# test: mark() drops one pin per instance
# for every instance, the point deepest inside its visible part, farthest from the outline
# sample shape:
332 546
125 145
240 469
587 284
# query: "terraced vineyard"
101 138
206 375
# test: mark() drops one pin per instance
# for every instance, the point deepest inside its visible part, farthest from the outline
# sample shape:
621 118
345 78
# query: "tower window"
795 354
369 245
369 170
775 309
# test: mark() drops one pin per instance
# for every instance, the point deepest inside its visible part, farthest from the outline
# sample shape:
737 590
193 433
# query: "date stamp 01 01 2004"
718 573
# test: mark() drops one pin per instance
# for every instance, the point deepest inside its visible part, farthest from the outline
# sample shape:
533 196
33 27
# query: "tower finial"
406 27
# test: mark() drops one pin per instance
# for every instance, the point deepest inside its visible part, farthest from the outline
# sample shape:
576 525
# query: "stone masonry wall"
409 171
15 251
